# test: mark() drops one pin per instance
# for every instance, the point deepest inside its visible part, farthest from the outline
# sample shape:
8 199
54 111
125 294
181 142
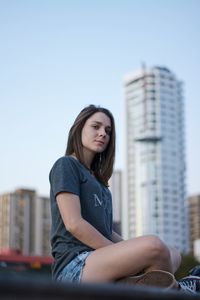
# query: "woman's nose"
102 132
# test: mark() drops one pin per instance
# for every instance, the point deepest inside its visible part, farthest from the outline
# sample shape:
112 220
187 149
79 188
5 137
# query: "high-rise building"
194 220
154 195
42 226
25 222
115 185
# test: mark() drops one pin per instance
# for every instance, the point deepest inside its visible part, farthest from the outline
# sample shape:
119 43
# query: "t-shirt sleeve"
65 177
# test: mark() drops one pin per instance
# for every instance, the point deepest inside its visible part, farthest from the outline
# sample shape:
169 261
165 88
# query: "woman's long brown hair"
102 164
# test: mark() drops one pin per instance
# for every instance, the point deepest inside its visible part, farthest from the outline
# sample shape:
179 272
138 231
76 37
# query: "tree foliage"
188 262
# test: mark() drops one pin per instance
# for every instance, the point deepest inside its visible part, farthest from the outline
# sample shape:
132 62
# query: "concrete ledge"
31 287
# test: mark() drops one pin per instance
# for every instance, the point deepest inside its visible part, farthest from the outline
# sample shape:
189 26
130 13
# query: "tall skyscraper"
154 178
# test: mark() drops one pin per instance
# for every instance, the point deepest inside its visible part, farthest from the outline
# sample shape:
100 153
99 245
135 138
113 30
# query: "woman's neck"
87 159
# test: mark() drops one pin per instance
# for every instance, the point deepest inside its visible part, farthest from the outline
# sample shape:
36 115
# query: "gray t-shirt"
69 175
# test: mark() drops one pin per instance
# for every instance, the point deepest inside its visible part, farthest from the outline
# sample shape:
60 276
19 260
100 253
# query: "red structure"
12 258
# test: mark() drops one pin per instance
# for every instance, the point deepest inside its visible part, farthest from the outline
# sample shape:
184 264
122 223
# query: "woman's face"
96 133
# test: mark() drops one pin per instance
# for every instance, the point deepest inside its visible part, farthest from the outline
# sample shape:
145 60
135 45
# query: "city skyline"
57 57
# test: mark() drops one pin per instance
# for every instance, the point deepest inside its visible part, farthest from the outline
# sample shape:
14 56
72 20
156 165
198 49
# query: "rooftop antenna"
143 66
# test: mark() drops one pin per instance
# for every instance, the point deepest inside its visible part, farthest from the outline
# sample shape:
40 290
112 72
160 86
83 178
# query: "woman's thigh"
124 258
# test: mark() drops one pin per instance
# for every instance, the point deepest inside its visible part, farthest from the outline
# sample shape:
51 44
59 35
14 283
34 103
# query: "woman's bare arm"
70 210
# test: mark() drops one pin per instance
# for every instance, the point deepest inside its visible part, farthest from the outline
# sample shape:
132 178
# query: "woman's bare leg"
128 257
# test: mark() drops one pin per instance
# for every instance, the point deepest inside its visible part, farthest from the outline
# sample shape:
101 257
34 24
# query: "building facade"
25 222
115 185
194 223
154 195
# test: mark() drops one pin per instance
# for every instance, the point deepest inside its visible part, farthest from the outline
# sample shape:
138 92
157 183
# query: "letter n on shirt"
97 201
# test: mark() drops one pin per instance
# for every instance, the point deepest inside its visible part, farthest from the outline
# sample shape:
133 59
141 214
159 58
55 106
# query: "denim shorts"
73 270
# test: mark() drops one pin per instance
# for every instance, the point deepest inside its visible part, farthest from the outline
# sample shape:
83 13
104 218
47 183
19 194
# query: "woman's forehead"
100 117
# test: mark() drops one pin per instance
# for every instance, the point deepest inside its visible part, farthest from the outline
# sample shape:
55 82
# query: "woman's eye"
108 131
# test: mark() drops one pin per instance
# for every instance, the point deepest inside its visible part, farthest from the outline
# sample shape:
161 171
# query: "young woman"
84 246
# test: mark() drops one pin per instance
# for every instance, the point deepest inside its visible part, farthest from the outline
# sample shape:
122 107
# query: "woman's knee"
158 249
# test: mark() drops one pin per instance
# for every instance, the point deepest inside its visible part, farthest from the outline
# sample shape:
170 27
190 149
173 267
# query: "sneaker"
156 278
190 284
195 271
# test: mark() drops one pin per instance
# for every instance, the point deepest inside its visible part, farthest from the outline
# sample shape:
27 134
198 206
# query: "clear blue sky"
58 56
